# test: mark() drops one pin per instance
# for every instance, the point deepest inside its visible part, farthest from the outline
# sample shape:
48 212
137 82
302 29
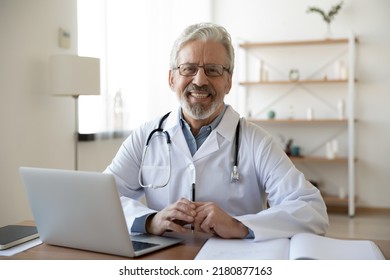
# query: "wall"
37 129
262 20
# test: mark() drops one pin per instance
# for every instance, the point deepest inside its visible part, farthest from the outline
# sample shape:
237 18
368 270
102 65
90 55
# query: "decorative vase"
328 34
271 115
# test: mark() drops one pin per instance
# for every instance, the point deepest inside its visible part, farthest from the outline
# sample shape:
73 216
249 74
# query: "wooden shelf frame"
248 45
300 121
332 200
316 159
299 82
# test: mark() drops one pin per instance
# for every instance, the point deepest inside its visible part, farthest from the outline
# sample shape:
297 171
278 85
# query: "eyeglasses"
191 69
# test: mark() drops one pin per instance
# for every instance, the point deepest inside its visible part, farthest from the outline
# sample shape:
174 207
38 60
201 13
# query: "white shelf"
348 122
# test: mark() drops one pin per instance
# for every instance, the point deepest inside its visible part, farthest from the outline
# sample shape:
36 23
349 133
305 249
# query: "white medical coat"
266 174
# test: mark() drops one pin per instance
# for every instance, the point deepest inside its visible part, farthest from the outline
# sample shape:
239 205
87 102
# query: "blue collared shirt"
194 142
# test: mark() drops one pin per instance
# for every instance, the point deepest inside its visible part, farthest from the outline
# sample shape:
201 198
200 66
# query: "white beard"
198 111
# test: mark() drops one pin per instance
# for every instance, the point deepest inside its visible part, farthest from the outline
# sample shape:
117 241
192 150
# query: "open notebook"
301 246
82 210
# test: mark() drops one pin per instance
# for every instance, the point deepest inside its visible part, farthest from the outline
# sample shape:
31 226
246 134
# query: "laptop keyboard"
138 245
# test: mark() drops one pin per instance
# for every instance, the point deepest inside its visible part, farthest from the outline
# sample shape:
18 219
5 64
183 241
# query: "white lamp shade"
72 75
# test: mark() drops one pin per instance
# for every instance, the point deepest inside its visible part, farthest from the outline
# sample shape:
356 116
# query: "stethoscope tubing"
235 176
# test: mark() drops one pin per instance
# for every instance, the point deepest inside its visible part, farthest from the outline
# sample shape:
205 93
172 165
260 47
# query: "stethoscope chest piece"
235 176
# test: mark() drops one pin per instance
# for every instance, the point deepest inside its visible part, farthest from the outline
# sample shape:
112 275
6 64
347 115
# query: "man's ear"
171 80
229 82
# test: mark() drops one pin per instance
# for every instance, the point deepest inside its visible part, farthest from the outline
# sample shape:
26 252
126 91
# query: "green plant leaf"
329 16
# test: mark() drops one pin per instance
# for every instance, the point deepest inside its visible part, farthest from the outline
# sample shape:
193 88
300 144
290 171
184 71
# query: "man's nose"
200 78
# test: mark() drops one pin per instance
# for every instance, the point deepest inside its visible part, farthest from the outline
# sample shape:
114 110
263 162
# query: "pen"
193 200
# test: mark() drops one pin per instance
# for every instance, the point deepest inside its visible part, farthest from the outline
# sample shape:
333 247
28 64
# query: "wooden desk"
184 251
384 246
187 250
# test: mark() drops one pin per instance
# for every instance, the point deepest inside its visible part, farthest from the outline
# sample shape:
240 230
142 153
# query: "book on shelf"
302 246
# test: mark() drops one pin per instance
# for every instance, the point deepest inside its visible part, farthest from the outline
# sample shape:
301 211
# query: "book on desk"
300 246
12 235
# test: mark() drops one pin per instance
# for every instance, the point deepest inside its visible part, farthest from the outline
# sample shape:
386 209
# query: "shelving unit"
286 86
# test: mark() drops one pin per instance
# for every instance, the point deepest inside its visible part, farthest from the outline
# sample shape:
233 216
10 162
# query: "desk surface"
184 251
187 250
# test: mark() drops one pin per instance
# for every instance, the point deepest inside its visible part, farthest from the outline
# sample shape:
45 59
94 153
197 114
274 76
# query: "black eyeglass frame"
223 68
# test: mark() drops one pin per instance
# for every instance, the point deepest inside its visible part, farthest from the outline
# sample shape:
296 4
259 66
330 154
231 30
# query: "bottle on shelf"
340 70
118 111
341 109
310 114
263 72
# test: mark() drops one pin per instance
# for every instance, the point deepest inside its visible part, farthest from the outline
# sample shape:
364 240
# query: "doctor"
205 166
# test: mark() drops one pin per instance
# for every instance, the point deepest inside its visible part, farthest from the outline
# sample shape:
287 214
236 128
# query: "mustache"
206 88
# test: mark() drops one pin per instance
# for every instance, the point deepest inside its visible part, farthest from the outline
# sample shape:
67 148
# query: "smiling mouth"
199 95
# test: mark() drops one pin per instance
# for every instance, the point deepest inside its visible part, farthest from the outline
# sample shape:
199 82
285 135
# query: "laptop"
82 210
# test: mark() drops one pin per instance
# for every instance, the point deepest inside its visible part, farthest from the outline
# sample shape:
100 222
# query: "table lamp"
72 75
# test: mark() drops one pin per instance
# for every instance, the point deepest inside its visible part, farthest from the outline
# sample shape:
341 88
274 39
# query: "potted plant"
327 16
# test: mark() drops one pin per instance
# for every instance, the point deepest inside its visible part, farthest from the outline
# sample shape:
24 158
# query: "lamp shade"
72 75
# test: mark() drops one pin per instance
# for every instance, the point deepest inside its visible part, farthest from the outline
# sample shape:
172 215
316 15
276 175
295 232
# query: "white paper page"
311 246
20 248
244 249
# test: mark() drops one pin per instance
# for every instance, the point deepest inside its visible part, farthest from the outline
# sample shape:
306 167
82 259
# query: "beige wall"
36 129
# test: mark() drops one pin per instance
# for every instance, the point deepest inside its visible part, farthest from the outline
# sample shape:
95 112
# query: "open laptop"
82 210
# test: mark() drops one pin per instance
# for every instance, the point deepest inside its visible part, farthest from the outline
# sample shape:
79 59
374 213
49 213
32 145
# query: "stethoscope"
234 177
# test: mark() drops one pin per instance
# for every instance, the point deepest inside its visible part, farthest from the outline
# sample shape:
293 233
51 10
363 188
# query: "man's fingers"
172 218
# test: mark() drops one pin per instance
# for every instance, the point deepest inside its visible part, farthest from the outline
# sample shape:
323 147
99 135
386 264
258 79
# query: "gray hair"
204 32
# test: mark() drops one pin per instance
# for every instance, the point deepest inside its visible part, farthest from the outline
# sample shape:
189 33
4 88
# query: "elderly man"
202 165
